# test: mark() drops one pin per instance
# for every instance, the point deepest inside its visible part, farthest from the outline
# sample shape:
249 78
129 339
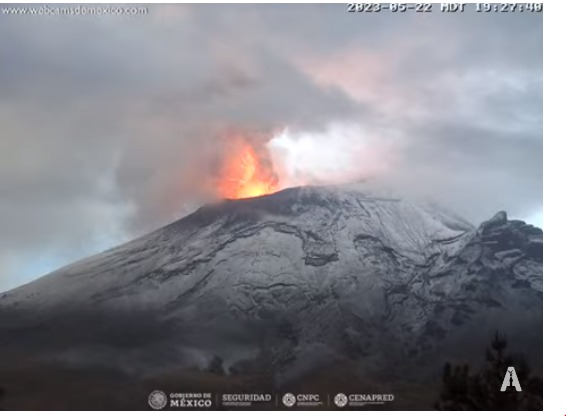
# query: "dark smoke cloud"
110 125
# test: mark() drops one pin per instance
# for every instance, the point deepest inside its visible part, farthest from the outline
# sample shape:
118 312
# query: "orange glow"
245 174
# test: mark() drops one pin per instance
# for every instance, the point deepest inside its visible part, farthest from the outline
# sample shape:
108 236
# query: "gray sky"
111 126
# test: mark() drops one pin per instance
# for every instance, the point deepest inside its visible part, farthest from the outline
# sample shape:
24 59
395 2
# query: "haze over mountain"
119 121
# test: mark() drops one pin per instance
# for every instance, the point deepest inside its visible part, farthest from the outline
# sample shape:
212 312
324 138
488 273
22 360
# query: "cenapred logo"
511 379
157 400
340 400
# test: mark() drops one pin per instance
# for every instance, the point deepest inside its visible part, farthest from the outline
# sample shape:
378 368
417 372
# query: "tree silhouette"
216 366
462 390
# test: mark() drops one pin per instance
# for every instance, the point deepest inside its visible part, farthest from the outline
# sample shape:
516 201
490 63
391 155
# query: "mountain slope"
300 280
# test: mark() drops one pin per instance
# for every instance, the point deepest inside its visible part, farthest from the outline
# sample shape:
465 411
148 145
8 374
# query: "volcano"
309 288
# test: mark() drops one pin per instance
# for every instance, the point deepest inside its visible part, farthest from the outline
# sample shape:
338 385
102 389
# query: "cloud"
111 125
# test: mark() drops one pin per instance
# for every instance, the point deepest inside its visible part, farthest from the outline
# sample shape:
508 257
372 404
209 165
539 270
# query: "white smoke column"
338 154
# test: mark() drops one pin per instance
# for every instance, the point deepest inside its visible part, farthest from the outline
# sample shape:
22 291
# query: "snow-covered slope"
303 277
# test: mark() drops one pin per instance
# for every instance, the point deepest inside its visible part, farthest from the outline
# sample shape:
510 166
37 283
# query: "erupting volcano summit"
247 173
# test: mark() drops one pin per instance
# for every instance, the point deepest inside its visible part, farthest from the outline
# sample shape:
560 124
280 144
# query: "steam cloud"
114 126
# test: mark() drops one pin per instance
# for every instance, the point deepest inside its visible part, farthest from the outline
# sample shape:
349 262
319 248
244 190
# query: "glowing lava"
245 175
